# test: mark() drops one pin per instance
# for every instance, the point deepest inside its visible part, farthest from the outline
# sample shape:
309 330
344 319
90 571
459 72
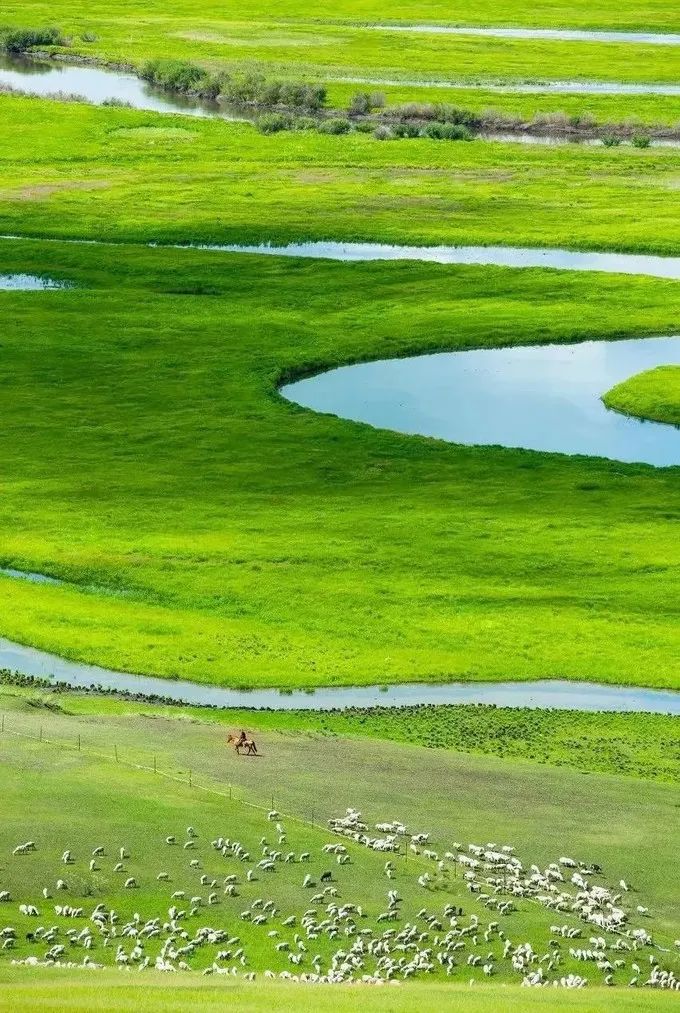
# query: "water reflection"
545 398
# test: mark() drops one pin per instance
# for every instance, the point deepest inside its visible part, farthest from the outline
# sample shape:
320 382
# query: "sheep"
163 877
130 883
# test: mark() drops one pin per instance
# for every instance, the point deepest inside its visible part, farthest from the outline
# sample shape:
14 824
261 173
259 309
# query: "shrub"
453 114
611 141
273 123
178 75
447 132
305 123
359 104
641 140
376 100
116 103
335 126
585 121
254 89
89 37
18 40
406 129
383 133
365 126
415 111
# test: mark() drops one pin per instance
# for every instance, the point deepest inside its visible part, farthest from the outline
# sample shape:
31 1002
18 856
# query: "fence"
303 804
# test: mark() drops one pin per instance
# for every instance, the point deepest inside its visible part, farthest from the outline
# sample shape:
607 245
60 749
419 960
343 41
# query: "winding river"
488 256
100 85
556 381
557 694
546 34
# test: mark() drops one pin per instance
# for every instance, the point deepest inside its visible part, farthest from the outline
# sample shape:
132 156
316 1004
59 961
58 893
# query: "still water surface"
98 85
542 397
558 694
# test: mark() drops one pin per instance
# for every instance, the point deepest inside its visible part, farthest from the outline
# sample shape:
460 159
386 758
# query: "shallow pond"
549 34
98 85
499 256
32 578
553 87
557 694
543 398
553 140
28 283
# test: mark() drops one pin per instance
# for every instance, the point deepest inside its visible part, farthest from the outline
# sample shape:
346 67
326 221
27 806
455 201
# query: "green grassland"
77 171
627 15
641 110
207 529
296 40
637 745
654 394
79 797
107 990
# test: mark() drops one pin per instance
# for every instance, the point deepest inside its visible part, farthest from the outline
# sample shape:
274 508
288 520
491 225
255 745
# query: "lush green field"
627 15
74 170
207 529
645 110
654 394
22 989
303 42
64 795
639 745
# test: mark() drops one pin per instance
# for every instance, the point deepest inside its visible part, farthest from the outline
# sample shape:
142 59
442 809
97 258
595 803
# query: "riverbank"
211 580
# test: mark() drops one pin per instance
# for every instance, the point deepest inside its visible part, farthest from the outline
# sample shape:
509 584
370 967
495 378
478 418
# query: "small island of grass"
653 395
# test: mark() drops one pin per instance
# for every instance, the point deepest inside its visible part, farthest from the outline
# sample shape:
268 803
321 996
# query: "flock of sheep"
335 935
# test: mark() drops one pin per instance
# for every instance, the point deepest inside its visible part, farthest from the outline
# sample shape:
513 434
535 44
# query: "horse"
242 741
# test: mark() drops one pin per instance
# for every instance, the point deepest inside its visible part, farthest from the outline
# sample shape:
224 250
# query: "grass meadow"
296 40
654 394
72 170
198 519
100 789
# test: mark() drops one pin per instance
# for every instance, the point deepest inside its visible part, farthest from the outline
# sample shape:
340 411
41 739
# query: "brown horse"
242 741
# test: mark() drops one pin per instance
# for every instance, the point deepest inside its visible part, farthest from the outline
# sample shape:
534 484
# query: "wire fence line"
234 792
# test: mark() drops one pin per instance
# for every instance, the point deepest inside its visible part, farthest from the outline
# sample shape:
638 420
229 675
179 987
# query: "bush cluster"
180 76
19 40
237 89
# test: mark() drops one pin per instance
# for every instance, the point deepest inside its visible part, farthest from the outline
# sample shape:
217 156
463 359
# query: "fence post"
3 722
115 753
190 779
78 741
230 793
